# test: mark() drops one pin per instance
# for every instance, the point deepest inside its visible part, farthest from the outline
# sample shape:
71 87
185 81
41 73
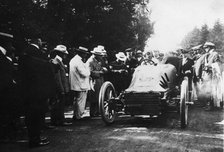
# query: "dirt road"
134 134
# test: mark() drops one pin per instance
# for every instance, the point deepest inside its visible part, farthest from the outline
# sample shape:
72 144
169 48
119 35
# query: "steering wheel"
148 62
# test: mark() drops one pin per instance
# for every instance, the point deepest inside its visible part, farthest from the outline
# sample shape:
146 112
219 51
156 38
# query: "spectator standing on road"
7 86
119 72
97 77
205 61
38 84
187 68
62 86
204 72
79 81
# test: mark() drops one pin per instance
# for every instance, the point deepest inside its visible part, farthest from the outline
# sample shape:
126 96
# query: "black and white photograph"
111 75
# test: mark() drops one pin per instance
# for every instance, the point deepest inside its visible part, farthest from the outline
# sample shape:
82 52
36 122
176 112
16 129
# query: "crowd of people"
42 78
38 81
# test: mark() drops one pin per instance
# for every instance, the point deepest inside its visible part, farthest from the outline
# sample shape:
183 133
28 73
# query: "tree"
214 35
204 34
191 39
144 27
217 35
116 24
22 18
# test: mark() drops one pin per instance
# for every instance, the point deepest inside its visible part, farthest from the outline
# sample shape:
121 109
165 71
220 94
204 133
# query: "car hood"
147 78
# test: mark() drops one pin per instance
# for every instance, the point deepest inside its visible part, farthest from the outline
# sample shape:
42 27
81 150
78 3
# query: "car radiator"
142 103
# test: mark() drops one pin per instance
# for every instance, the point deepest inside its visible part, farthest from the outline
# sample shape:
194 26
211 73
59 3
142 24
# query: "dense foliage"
200 36
116 24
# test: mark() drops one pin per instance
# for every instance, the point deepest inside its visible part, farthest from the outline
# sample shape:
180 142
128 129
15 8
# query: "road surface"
135 134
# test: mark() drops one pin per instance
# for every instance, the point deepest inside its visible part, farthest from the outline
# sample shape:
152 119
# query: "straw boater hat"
82 50
6 35
2 50
121 56
128 50
99 50
208 44
197 47
61 48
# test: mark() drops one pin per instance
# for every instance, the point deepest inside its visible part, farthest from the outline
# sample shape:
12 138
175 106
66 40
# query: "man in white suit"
79 81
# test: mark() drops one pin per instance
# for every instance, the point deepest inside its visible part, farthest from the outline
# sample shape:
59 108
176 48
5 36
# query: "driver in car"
148 59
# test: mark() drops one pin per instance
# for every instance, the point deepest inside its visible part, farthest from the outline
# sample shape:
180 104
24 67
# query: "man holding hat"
203 68
62 86
97 77
79 81
119 72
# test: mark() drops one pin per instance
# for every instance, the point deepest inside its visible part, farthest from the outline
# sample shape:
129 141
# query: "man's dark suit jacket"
7 72
37 73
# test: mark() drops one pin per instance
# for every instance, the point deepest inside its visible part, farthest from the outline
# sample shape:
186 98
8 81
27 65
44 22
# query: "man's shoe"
50 127
43 138
38 144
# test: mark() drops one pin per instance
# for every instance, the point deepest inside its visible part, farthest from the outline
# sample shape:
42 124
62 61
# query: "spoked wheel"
107 92
184 98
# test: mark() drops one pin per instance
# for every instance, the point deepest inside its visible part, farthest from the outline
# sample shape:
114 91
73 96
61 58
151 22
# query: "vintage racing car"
152 88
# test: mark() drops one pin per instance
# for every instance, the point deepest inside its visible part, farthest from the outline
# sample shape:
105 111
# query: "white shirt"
184 60
79 74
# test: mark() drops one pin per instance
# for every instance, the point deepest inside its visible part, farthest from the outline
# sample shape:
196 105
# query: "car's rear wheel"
184 98
107 92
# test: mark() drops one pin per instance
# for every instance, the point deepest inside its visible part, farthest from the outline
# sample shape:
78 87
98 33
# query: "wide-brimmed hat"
3 50
129 50
5 38
99 50
6 35
121 56
208 44
197 47
139 52
82 50
61 48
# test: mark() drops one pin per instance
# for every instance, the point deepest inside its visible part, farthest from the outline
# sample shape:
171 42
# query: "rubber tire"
184 96
102 95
